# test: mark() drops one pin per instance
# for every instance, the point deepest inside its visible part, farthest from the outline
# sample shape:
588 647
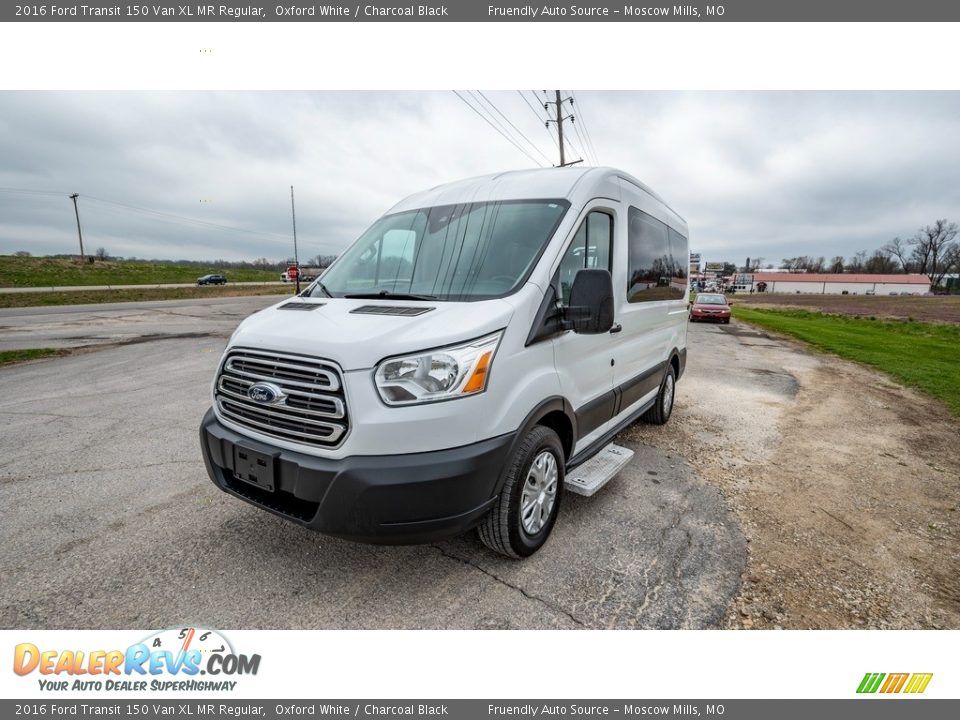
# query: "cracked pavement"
107 517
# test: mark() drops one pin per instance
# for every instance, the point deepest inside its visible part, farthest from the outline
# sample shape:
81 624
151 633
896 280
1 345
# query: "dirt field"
847 485
934 308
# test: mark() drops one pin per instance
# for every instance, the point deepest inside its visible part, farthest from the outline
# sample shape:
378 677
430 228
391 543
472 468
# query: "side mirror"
591 302
729 303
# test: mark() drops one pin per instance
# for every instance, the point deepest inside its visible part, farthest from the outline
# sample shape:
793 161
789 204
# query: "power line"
16 191
583 143
544 121
503 129
586 129
491 124
532 108
529 141
474 96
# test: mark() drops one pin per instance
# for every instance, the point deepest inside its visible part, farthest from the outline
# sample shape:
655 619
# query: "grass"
83 297
925 356
14 356
54 272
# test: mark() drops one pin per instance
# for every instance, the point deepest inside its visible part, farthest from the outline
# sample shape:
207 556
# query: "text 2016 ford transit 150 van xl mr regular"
463 363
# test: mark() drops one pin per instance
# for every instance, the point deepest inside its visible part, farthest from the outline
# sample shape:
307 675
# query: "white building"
840 283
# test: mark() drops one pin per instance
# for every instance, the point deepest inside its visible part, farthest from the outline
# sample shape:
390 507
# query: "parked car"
212 280
711 307
464 363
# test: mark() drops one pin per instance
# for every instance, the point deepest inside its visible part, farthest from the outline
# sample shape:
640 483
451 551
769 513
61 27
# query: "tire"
663 406
504 529
727 321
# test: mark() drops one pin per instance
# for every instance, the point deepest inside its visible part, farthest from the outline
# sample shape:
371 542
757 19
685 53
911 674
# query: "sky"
755 174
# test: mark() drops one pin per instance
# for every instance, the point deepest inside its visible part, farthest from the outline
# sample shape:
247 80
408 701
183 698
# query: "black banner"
486 11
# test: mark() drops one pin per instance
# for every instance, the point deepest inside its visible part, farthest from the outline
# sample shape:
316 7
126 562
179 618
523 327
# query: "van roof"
577 184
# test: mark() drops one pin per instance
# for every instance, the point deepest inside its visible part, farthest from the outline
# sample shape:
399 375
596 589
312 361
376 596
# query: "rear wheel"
521 520
663 406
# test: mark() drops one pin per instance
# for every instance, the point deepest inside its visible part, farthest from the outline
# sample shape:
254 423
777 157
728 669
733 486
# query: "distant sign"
714 266
694 258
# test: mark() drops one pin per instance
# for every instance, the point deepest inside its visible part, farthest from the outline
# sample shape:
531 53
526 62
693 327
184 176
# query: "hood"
358 340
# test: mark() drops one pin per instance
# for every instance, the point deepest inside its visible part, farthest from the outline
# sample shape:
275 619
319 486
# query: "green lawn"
922 355
50 271
13 356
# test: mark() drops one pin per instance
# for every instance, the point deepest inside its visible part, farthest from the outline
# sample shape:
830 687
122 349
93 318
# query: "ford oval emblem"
265 393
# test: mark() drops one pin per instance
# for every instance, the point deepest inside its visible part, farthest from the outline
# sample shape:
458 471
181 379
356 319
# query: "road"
789 490
109 520
131 322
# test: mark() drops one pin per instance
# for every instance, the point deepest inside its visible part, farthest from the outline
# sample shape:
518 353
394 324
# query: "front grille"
310 407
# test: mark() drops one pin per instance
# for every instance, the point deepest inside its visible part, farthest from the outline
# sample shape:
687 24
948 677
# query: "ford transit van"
462 364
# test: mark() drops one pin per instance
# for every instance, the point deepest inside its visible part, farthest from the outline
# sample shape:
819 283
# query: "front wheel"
521 520
663 406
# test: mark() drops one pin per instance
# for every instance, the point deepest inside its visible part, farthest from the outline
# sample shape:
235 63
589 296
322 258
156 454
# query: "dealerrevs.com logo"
167 660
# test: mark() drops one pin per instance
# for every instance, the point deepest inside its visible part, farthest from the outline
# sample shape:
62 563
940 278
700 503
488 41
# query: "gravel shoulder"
847 484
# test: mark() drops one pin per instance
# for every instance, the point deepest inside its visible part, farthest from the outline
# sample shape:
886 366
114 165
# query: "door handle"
617 327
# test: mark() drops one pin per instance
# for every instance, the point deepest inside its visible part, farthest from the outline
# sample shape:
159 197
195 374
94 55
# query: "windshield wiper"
391 295
323 289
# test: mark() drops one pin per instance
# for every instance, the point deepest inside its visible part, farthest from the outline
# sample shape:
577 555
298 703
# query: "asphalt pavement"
67 326
107 517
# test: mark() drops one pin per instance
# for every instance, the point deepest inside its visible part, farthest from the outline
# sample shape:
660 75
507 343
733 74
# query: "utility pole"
559 120
296 258
79 233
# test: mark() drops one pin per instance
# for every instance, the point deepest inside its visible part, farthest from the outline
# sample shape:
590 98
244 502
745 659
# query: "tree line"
933 251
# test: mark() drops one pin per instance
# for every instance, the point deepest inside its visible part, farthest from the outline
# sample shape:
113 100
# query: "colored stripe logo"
894 683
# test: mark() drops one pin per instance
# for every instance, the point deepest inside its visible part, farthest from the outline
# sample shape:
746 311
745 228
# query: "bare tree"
856 263
21 253
101 253
933 248
898 249
880 263
836 264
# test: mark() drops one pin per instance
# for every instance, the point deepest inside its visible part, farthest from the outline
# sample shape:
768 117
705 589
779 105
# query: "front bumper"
389 499
710 317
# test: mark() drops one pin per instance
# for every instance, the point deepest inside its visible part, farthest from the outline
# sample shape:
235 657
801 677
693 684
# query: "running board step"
596 472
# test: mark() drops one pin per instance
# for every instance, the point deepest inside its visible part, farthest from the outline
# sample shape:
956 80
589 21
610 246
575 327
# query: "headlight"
449 372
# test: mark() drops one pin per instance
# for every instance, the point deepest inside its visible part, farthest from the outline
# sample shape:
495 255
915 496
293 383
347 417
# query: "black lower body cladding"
388 499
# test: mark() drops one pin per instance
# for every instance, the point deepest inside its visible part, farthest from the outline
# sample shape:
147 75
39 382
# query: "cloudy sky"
768 174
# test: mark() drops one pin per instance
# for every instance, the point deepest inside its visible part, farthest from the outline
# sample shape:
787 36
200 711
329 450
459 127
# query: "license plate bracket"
254 467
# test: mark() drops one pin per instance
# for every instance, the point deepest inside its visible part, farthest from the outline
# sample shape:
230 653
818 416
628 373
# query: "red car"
710 306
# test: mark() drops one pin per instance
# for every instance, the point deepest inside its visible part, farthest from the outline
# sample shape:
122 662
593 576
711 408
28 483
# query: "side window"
657 264
590 248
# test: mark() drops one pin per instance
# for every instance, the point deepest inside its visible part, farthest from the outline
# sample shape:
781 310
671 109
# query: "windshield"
711 300
449 252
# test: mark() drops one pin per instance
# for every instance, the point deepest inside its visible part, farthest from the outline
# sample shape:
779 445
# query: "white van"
470 356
